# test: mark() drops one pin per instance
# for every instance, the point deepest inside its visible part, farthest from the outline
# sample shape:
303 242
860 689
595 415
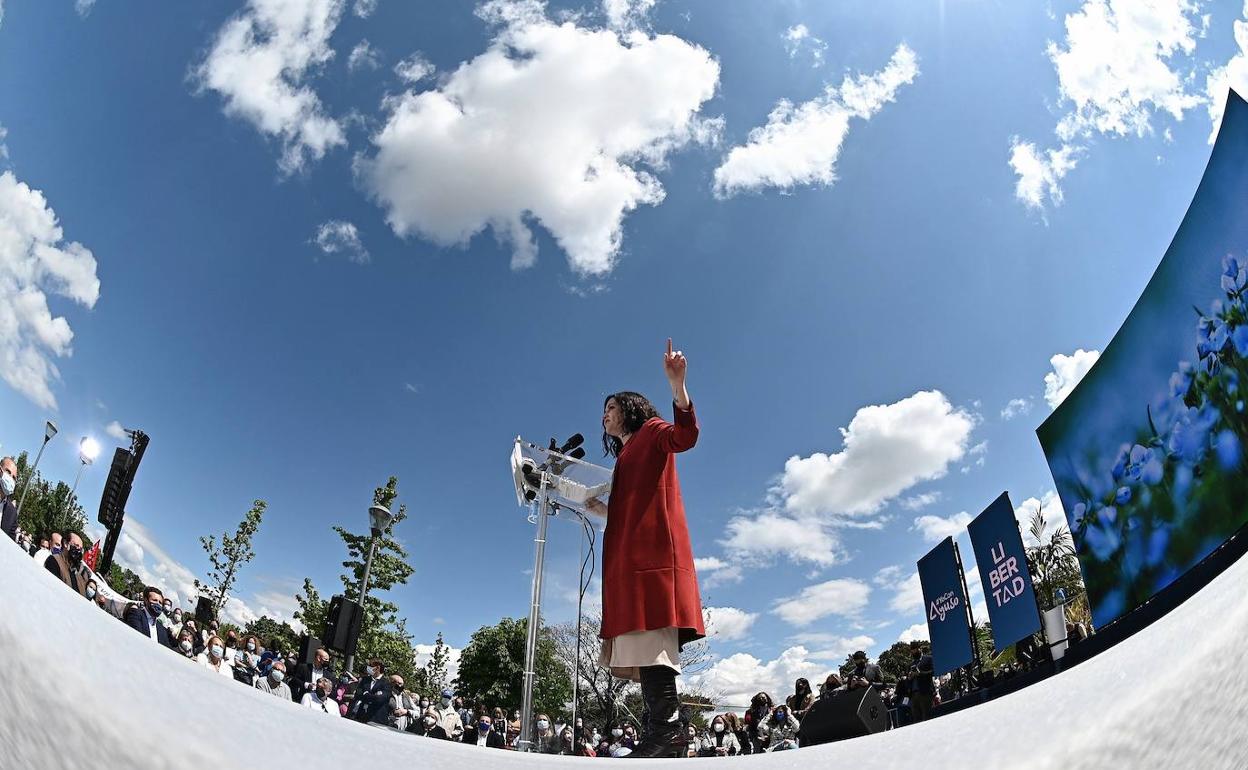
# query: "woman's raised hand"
674 365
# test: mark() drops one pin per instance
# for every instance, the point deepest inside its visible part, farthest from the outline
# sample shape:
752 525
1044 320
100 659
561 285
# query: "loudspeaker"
342 625
203 612
308 645
844 714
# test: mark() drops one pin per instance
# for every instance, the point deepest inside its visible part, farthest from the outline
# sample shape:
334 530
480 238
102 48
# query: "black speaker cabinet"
342 626
308 645
203 612
844 714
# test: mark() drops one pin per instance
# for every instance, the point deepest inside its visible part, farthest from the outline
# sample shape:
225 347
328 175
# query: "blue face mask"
217 651
156 608
56 549
483 726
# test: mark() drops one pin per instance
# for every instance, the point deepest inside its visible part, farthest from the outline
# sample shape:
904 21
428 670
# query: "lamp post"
88 450
49 430
379 518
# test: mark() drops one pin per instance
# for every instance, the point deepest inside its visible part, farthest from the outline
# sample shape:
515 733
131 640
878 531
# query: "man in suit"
484 734
372 696
303 677
8 506
67 565
143 618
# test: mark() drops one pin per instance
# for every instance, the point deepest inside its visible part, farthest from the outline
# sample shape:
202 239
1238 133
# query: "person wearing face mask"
166 619
622 742
213 657
144 618
544 739
231 645
449 715
186 645
720 741
484 734
67 565
402 705
8 505
275 682
304 675
320 698
53 546
782 727
428 726
372 695
176 628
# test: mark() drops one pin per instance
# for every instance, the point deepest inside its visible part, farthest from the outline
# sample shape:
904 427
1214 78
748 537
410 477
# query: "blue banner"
944 602
1002 562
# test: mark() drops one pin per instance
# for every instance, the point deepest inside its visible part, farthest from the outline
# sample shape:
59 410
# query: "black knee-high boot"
664 735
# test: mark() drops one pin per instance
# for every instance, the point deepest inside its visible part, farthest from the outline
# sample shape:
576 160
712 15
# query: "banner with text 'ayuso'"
944 601
1002 563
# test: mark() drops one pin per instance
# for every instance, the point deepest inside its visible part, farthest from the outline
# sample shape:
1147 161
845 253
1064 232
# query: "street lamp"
379 518
88 450
49 430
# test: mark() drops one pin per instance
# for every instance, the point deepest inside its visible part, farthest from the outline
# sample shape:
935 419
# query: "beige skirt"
627 653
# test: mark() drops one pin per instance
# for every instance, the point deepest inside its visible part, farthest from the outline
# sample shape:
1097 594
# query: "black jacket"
8 518
372 700
136 618
301 674
436 731
492 741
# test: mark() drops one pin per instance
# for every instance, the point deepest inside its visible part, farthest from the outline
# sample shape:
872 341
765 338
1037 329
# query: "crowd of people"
381 698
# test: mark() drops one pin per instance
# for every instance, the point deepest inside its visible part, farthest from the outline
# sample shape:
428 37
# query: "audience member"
801 700
213 657
864 674
484 734
144 618
303 676
372 695
429 727
8 506
319 697
782 729
67 564
922 688
274 683
759 712
403 708
720 741
186 645
449 716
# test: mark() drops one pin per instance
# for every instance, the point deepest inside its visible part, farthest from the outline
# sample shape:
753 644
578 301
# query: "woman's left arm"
682 434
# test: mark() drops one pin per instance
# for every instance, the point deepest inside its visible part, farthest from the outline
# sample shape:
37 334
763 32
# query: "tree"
124 581
895 662
47 507
229 557
491 668
1052 563
271 632
383 634
435 668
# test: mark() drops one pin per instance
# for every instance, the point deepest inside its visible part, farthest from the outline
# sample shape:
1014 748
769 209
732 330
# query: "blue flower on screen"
1181 381
1122 496
1103 538
1211 364
1157 542
1120 465
1226 447
1234 274
1189 436
1239 338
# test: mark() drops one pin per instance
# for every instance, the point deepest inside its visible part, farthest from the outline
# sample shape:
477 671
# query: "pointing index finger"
669 346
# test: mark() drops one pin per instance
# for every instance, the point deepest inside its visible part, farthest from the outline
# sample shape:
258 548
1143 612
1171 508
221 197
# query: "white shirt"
222 668
328 705
481 738
151 626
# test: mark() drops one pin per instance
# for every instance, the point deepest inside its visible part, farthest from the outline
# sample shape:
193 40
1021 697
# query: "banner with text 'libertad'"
1002 562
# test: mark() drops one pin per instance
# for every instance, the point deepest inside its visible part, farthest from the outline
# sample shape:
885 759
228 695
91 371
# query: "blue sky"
315 276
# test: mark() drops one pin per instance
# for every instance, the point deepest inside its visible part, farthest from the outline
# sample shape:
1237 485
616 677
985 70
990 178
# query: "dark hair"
801 688
636 409
149 590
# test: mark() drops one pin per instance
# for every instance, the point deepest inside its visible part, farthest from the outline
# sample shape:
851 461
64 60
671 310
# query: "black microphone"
577 453
572 443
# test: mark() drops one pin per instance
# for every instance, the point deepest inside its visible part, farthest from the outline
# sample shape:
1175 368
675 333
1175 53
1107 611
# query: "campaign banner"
1002 562
944 601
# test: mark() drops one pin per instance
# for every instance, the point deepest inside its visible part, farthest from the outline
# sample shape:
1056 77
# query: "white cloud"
936 528
1066 374
846 597
798 38
733 680
83 7
728 623
916 502
364 8
339 237
363 56
425 651
549 125
116 430
800 144
708 563
907 595
34 262
763 537
626 15
1116 69
1054 515
1016 407
1233 74
888 448
916 633
259 63
832 647
129 552
1040 172
414 68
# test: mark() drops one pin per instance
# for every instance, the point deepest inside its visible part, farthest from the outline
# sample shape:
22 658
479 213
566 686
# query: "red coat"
648 580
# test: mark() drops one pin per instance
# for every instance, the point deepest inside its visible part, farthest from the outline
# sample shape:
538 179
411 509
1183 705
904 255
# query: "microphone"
572 443
577 453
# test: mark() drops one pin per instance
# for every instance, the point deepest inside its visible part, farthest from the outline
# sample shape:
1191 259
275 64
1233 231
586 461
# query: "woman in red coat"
650 602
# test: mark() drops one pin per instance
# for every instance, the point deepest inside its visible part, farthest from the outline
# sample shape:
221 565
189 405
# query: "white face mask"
617 732
719 727
7 484
186 645
429 721
542 724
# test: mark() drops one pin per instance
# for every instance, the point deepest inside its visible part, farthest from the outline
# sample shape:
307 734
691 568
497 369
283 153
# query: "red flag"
92 555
